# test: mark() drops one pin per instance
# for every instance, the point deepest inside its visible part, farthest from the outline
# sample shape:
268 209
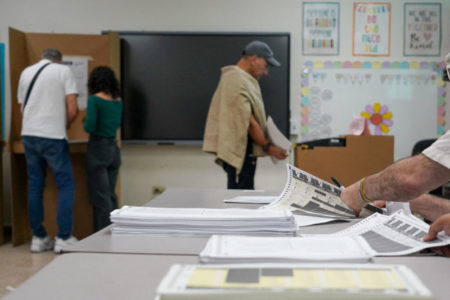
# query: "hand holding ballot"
276 152
276 138
441 224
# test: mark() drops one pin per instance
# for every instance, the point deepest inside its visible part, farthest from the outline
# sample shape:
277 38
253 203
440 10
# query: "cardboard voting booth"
356 157
25 49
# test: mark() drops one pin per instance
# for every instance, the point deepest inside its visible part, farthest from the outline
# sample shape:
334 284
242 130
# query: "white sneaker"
40 245
60 243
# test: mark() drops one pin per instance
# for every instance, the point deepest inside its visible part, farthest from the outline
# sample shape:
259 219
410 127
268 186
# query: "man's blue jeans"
41 153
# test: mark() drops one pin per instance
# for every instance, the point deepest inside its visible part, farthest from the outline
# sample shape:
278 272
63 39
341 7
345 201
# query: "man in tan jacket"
236 124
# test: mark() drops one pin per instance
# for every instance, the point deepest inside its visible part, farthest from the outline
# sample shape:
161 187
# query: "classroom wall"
145 167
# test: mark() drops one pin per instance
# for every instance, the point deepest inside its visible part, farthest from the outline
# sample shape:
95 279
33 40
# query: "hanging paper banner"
320 28
422 30
371 28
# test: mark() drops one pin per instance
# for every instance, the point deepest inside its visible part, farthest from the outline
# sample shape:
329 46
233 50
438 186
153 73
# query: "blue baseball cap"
262 50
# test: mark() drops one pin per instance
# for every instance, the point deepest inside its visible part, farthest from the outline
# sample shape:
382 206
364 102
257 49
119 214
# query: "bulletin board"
406 100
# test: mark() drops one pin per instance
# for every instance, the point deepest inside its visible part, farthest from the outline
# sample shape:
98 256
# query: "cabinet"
359 157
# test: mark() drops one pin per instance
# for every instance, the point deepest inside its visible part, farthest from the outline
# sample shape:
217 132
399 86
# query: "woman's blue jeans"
41 153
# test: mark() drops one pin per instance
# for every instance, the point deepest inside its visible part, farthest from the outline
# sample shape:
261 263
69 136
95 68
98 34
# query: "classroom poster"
403 99
320 28
422 22
371 28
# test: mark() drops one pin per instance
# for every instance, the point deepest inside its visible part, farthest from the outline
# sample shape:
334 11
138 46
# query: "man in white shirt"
48 95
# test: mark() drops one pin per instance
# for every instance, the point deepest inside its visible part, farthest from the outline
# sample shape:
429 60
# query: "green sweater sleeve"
91 116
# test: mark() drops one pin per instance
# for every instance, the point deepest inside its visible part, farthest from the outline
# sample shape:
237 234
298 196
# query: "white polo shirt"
45 114
439 151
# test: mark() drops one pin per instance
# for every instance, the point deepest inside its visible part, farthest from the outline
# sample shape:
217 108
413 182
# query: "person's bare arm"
258 136
402 181
429 206
72 108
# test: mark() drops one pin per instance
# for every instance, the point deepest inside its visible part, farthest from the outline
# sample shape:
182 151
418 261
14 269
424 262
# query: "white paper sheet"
302 221
276 137
79 66
241 249
308 195
394 235
202 221
252 199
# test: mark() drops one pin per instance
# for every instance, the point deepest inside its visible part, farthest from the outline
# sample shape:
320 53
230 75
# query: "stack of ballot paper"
291 281
240 249
202 221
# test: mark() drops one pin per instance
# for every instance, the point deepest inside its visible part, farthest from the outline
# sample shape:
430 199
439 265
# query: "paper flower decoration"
379 116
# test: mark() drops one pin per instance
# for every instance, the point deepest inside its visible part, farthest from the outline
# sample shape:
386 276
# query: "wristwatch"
266 147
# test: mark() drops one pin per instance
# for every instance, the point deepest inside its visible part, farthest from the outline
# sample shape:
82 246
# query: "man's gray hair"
52 54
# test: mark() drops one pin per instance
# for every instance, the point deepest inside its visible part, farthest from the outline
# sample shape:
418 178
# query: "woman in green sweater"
103 119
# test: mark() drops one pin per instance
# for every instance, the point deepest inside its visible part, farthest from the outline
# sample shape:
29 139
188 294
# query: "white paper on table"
276 137
156 214
238 249
302 221
201 221
394 235
251 199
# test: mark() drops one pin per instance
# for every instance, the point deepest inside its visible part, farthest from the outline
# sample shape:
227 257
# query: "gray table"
110 275
76 276
104 242
433 271
125 276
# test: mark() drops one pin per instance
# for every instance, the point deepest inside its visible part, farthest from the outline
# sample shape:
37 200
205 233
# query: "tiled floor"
18 264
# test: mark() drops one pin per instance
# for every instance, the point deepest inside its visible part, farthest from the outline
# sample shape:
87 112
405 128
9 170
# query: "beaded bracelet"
361 192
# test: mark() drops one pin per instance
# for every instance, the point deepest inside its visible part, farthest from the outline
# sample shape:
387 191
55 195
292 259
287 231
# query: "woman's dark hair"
102 79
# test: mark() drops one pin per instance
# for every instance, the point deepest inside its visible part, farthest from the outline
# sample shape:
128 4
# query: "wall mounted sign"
422 22
371 28
320 28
